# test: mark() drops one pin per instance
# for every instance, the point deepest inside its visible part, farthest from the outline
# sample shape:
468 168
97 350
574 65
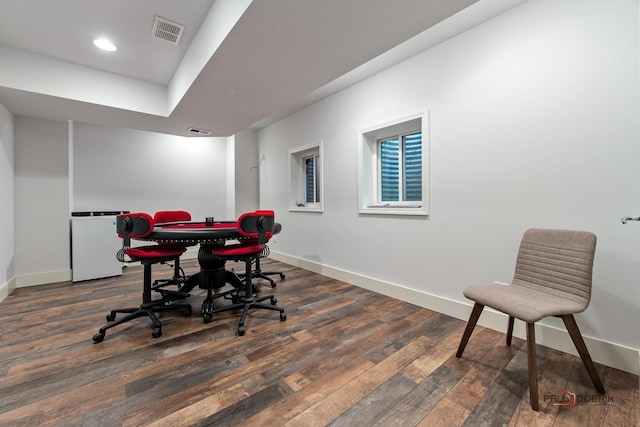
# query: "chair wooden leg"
532 368
510 330
576 336
471 323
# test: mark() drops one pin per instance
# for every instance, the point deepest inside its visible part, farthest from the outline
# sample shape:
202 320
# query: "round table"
212 274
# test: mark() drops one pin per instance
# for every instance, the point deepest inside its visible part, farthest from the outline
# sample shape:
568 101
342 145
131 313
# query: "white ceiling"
239 64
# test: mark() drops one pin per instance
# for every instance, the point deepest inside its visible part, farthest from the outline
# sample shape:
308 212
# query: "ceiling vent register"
167 30
199 131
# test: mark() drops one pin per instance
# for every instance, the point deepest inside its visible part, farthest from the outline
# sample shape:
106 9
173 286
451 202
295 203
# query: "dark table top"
197 232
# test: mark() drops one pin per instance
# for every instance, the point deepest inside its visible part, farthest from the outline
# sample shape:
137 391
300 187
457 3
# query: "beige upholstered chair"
552 278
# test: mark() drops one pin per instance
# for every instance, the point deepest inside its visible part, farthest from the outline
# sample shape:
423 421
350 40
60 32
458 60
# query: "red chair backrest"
136 225
171 216
257 225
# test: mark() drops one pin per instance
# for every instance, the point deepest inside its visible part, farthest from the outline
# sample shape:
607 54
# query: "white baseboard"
34 279
7 288
610 354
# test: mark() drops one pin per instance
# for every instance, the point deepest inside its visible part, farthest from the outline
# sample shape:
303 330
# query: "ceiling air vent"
199 131
167 30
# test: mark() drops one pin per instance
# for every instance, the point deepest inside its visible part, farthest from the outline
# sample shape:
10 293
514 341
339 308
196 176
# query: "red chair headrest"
136 225
171 216
258 224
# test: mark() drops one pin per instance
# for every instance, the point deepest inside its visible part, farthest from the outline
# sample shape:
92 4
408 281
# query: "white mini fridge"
94 244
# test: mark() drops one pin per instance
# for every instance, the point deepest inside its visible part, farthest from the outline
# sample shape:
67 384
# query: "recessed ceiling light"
105 44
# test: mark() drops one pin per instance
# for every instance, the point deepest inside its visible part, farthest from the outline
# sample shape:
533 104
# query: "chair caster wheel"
111 317
282 276
156 333
206 318
241 330
98 338
273 301
283 317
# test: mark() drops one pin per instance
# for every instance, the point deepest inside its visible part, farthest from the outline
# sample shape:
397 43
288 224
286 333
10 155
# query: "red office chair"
179 278
258 273
138 225
256 229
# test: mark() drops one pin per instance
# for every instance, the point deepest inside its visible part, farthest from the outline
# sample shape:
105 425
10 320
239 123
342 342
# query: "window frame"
369 163
298 178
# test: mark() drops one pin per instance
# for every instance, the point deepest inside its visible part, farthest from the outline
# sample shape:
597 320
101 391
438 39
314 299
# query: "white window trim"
297 177
368 165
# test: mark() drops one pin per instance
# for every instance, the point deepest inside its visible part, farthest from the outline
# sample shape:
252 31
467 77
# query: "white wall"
41 198
125 169
534 123
7 248
247 172
113 169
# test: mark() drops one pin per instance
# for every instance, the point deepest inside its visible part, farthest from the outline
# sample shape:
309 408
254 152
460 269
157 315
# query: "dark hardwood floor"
345 356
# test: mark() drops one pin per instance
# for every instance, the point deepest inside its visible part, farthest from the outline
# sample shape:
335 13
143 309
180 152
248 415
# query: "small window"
400 169
312 181
393 166
305 171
